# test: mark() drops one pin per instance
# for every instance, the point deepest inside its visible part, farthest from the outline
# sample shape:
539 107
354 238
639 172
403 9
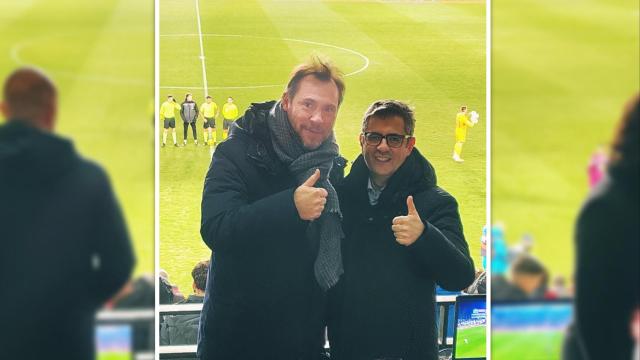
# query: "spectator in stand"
499 251
527 281
136 293
169 293
479 286
558 289
597 166
523 247
199 275
65 245
608 243
183 329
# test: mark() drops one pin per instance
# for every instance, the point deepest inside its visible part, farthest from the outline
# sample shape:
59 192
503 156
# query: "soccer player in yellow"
209 111
462 123
229 113
168 115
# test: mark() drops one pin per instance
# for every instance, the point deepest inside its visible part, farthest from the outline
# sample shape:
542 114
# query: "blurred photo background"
100 56
562 73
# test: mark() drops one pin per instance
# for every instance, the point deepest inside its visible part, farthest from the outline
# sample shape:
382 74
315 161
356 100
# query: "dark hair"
388 108
208 97
526 264
624 161
321 69
186 96
199 274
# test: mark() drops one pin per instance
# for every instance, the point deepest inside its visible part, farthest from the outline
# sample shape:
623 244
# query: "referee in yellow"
229 113
168 115
462 124
209 111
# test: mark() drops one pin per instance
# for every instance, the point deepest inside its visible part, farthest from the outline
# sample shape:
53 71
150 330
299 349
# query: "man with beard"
403 235
271 217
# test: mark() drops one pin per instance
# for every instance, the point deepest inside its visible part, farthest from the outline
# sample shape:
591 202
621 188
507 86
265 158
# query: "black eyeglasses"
393 140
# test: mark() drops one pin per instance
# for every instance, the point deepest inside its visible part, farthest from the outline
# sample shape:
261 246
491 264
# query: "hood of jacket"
254 121
32 156
415 175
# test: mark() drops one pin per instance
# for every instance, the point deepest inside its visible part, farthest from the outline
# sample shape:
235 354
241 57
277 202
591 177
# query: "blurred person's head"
463 108
163 274
528 274
229 99
208 99
527 242
137 293
188 97
29 96
387 138
166 291
199 275
624 161
311 100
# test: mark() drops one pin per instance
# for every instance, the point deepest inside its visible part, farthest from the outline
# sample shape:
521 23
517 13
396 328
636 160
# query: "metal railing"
189 351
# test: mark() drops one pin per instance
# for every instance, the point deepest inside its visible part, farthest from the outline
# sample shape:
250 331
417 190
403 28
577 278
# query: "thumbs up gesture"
407 229
310 200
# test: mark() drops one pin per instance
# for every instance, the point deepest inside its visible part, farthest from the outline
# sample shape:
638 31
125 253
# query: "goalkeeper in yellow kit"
229 113
168 116
209 111
463 121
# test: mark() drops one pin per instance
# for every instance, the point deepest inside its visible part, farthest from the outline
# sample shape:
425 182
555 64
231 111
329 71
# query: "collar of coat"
254 125
415 175
33 156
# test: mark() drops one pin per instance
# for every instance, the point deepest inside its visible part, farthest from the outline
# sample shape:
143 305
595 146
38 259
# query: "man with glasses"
403 236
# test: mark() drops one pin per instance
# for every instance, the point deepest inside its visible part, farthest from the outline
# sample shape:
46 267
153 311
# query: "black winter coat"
384 304
65 247
608 244
262 300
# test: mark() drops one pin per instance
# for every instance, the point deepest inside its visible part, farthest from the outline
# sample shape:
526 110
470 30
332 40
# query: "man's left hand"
407 229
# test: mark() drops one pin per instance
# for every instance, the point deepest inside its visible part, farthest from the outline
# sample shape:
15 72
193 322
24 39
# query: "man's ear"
361 140
49 117
285 101
4 109
411 142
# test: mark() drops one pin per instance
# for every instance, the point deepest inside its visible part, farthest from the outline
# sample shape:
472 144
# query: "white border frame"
156 202
488 18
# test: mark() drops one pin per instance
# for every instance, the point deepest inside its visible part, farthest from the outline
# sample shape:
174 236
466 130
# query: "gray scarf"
327 229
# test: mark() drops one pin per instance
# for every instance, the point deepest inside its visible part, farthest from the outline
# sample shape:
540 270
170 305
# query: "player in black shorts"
168 114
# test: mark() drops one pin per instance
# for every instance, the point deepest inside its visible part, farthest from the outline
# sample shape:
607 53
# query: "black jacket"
65 247
607 272
383 305
262 300
189 111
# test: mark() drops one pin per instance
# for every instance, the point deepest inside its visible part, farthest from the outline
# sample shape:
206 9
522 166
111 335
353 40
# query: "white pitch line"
14 53
204 69
361 69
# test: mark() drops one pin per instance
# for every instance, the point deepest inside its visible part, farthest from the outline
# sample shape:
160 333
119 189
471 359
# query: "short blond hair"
322 69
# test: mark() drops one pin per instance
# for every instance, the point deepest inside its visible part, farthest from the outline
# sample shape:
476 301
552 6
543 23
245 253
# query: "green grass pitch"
114 355
476 345
561 73
100 55
538 345
431 54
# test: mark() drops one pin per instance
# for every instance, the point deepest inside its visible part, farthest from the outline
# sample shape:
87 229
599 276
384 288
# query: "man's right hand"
310 200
